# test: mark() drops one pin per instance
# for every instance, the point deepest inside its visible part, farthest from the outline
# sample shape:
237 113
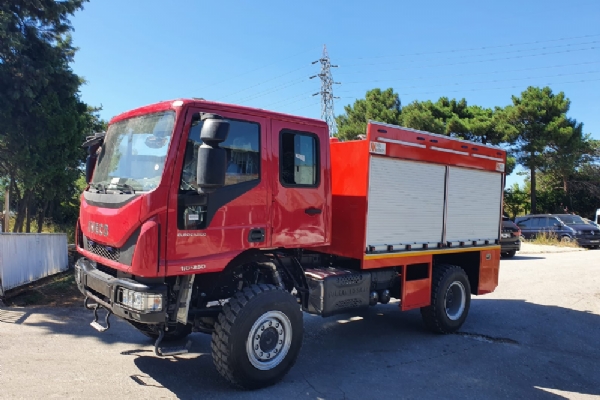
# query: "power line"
302 108
499 88
256 69
327 112
268 80
472 74
272 90
475 48
288 98
296 101
505 80
479 61
481 55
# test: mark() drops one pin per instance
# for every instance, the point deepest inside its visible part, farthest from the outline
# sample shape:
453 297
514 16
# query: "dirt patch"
58 290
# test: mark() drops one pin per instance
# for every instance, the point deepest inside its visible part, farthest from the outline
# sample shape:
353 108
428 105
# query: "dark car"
564 226
510 238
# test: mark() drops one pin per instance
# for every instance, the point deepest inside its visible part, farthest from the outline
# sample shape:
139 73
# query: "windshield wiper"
100 188
121 186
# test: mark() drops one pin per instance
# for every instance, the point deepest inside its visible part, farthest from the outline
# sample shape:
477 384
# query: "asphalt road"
535 337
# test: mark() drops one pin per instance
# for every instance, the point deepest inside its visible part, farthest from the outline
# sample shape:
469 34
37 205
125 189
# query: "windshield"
571 219
134 152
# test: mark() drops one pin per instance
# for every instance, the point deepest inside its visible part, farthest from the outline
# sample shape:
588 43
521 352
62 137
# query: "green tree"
457 119
535 117
378 105
515 201
568 149
42 119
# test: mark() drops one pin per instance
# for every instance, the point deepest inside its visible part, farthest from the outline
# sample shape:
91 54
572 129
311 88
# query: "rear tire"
509 254
258 336
450 300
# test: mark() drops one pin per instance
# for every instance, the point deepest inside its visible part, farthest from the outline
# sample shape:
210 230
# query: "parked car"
510 238
564 226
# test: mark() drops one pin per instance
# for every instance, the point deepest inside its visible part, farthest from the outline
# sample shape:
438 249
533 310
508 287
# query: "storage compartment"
417 286
334 291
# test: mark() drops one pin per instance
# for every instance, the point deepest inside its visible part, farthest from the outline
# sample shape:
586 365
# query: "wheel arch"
283 269
470 262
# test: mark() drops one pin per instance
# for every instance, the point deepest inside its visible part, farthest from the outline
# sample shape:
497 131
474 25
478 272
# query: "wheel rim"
456 299
269 340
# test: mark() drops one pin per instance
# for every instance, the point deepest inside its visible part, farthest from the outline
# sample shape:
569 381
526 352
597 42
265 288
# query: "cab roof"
178 103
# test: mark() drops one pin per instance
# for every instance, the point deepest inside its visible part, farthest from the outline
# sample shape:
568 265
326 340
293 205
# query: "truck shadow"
507 348
522 257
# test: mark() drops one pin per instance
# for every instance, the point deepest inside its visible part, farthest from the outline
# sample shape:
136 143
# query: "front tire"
450 300
258 337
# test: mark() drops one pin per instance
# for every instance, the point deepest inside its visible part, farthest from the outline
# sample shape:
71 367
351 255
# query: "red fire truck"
233 221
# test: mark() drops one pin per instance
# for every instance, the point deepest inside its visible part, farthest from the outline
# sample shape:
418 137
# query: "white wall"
27 257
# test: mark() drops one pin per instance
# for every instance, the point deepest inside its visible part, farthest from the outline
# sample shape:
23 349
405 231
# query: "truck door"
298 211
206 230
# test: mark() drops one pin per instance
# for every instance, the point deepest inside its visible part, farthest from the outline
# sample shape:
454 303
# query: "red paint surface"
416 293
380 133
488 271
348 198
292 227
145 256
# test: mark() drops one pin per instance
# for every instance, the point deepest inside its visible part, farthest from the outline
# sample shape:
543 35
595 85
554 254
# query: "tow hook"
169 351
95 324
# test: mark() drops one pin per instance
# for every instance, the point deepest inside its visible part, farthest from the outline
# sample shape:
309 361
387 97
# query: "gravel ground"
535 337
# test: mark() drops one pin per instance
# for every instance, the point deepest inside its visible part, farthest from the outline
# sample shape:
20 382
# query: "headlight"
141 301
579 232
78 272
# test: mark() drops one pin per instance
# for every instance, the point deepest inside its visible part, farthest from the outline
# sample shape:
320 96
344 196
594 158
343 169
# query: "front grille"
108 252
590 235
106 270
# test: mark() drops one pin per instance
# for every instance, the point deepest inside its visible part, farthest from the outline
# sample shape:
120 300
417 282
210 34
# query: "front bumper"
105 290
511 245
587 241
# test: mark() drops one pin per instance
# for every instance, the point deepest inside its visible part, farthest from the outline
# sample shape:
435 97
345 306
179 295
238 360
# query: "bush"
550 239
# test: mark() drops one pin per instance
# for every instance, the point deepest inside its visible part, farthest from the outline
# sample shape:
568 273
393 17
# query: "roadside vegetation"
550 239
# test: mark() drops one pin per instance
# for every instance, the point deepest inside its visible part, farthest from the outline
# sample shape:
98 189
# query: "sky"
261 53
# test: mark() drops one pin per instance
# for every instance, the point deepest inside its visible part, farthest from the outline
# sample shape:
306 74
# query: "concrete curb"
529 248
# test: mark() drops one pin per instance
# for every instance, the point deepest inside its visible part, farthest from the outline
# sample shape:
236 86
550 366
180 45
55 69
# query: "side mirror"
212 159
93 143
90 165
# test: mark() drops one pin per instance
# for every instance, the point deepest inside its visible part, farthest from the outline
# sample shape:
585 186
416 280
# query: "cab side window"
243 154
298 159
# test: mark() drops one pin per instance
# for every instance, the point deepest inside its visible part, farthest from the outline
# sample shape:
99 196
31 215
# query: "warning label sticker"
377 148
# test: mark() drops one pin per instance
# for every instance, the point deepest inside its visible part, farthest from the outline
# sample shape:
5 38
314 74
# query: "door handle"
313 211
256 236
